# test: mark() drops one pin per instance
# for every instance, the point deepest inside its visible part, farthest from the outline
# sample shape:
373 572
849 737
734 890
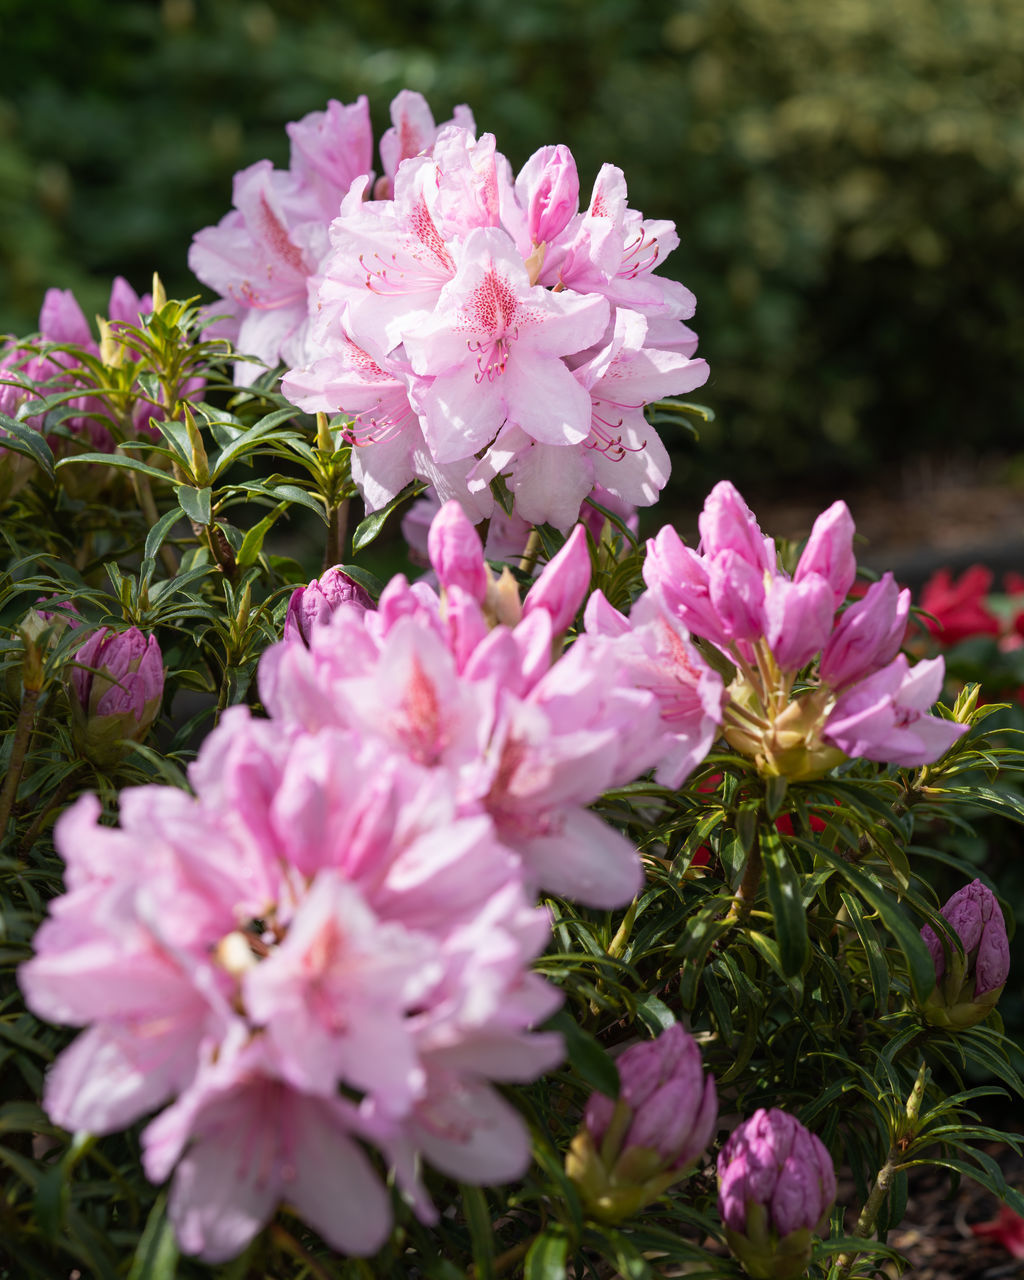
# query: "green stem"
22 734
531 553
337 528
56 800
898 1152
287 1242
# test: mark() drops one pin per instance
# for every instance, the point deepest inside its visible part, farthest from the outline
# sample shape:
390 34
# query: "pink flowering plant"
560 903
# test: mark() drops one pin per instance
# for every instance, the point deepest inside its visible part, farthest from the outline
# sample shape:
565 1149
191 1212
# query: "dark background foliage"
847 179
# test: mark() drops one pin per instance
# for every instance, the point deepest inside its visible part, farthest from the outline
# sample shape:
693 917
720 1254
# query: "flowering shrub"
467 921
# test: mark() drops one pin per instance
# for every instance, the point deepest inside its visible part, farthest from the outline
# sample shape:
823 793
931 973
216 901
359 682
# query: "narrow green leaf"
478 1219
654 1013
783 883
252 543
250 439
908 939
546 1257
195 503
368 529
158 534
878 970
156 1258
115 460
588 1058
21 438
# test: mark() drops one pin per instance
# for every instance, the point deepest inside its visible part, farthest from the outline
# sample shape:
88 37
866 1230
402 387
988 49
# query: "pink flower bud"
736 590
629 1151
868 635
563 584
798 619
315 604
829 552
968 986
117 684
776 1184
678 579
456 552
727 523
548 187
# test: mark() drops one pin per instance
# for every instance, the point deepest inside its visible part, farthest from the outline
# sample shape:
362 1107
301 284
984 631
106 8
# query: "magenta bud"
457 553
776 1185
563 585
316 604
967 986
829 552
548 187
631 1150
117 684
868 635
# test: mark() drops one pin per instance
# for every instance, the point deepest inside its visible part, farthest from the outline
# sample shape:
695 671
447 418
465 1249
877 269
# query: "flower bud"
967 986
548 187
117 683
776 1185
456 551
631 1150
829 552
313 605
728 524
563 583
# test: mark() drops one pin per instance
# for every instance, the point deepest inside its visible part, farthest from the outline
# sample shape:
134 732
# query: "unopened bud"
631 1150
776 1185
117 684
312 606
968 984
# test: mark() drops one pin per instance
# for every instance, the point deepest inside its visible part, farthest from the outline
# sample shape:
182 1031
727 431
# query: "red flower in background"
1007 1229
959 605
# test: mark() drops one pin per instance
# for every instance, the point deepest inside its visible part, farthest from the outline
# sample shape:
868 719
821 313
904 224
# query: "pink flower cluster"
471 323
862 697
315 951
327 945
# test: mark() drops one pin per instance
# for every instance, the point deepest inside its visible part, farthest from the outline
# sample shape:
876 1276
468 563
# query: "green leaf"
546 1257
195 503
654 1013
21 438
156 1258
368 529
251 438
784 897
252 543
158 534
115 460
908 939
589 1060
878 970
478 1218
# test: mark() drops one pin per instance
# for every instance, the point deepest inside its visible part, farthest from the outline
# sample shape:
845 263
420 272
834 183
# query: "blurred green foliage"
847 178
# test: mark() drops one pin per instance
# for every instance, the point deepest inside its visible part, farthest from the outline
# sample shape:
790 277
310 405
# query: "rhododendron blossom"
863 699
460 315
318 916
